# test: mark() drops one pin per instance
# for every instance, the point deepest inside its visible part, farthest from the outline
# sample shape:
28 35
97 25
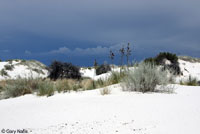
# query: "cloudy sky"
80 31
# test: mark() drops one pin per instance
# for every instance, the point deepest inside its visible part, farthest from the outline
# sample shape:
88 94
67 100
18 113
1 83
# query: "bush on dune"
59 70
145 78
104 68
3 72
161 58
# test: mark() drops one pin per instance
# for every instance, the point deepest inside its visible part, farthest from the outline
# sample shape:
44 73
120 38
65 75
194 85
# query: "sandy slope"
89 112
23 69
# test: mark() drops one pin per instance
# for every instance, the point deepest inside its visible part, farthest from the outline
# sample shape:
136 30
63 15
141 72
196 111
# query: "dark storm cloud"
151 25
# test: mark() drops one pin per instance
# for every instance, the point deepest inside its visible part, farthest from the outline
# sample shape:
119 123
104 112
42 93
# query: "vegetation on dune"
191 81
59 70
104 68
3 72
162 58
145 78
65 77
14 88
9 67
190 59
45 88
105 91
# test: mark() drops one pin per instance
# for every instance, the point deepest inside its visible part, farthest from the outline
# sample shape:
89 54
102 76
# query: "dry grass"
88 84
105 91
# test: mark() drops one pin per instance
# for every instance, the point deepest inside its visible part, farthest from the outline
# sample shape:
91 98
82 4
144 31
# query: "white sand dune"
89 112
23 69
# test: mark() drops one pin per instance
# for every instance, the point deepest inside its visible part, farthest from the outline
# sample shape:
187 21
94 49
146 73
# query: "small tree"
95 64
128 53
112 55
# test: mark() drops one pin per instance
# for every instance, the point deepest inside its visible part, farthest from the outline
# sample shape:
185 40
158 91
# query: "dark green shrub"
3 72
150 60
160 60
198 83
166 55
104 68
64 70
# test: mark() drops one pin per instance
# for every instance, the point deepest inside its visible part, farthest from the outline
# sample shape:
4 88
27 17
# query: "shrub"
3 72
160 60
150 60
145 78
104 68
9 67
166 55
64 70
45 88
190 82
198 83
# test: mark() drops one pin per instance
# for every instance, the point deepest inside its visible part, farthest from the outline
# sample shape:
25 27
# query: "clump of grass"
105 91
63 85
88 84
192 81
67 85
145 78
2 85
46 88
14 88
116 77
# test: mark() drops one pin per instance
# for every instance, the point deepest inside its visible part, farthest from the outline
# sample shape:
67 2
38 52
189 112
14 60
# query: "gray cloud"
5 51
153 25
